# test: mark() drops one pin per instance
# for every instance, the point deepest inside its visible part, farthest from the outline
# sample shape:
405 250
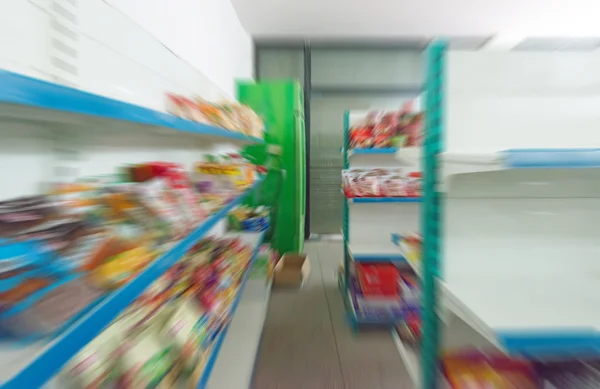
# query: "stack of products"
379 129
223 176
229 115
167 334
380 182
61 253
477 370
246 218
382 291
410 245
264 263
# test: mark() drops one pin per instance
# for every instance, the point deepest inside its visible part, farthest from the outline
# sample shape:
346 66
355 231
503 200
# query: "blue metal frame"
218 342
51 360
31 92
433 146
345 221
385 199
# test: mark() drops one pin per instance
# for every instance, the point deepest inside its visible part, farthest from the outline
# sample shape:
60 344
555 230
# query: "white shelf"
410 359
374 250
239 349
464 162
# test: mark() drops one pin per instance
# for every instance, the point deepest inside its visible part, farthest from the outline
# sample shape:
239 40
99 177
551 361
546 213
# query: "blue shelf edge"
387 150
53 358
551 158
563 343
385 199
378 258
28 91
218 342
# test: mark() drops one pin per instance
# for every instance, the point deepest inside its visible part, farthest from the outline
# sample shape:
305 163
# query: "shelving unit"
369 221
53 133
510 206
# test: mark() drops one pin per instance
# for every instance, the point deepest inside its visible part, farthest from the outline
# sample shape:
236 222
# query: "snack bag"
185 332
93 367
144 360
122 267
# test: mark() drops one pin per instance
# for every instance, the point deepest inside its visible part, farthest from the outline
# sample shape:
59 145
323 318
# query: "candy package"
44 306
94 367
144 360
379 182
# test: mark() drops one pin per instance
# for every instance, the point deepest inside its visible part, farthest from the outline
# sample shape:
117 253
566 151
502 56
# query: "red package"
378 279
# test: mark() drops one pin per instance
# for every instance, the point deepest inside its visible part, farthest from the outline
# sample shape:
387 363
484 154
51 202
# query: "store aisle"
307 344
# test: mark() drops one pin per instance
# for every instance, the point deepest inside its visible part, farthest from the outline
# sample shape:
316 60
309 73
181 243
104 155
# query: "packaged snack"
48 309
185 331
121 267
144 360
23 213
94 366
477 370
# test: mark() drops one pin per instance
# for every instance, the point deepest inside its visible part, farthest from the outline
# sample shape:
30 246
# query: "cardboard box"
291 271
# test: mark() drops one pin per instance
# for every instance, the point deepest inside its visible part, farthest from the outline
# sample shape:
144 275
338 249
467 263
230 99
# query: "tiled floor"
307 343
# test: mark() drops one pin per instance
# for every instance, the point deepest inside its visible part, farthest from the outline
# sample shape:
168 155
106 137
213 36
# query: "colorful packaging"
44 311
144 360
120 268
94 366
379 182
185 332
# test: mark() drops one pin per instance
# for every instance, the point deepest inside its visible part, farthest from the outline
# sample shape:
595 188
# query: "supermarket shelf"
410 358
220 339
354 318
33 365
387 150
25 98
409 254
512 329
374 253
243 340
384 199
472 162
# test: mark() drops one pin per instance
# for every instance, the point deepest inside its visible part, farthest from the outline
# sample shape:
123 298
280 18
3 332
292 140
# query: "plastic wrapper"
46 310
144 360
94 367
185 331
24 213
380 183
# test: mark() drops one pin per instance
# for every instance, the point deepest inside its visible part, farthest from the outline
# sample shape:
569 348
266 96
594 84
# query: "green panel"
277 103
432 212
345 221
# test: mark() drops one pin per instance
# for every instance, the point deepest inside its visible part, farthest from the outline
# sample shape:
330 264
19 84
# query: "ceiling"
502 24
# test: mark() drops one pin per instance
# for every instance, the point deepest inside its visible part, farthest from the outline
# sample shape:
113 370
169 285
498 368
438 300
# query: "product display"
478 371
474 369
61 253
380 183
410 246
228 115
167 332
383 292
247 218
379 129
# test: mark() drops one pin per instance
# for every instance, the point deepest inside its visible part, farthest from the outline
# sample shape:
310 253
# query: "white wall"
132 50
205 33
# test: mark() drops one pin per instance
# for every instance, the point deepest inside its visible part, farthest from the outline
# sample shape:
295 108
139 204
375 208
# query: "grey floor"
307 344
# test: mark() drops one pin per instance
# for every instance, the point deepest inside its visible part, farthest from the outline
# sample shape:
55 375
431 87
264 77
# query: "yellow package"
120 268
